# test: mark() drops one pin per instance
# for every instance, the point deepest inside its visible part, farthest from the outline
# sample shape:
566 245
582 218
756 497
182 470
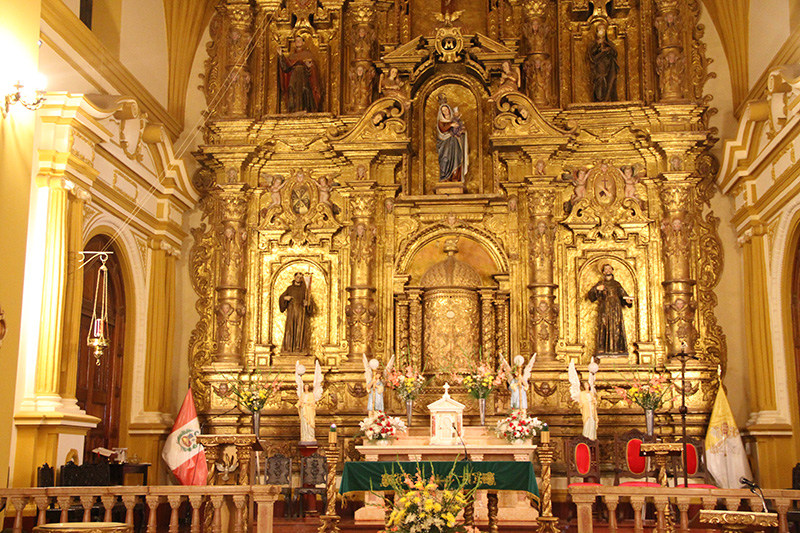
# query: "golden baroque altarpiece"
588 143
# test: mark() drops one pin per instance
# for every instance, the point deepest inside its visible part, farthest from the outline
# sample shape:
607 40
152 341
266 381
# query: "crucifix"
605 188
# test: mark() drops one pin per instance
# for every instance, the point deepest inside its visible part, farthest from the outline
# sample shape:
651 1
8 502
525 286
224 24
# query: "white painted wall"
769 29
143 44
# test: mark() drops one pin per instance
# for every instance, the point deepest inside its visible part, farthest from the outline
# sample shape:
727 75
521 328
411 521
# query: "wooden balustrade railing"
666 503
210 506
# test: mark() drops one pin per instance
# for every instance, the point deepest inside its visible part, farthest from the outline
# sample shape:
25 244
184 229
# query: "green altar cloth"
487 475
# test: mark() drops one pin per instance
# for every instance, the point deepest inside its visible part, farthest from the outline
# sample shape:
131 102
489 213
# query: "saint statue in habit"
611 297
295 301
451 143
301 90
604 67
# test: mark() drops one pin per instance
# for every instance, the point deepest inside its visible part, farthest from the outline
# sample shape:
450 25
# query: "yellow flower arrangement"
427 506
254 391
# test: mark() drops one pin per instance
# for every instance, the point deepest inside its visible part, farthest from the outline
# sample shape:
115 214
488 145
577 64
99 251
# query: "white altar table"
514 508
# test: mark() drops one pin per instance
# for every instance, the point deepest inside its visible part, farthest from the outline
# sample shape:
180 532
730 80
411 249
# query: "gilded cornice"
58 16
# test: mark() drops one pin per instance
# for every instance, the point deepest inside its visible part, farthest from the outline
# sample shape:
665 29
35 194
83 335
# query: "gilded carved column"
543 310
488 337
361 310
670 59
160 326
232 201
361 37
415 326
679 302
73 296
538 67
240 19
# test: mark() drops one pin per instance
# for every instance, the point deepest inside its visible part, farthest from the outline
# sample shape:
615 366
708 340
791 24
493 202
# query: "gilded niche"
450 301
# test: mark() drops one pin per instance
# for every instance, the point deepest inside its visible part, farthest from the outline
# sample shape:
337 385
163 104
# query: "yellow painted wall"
19 34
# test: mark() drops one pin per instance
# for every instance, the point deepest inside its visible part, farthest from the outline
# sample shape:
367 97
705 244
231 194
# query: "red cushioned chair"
628 463
583 461
699 478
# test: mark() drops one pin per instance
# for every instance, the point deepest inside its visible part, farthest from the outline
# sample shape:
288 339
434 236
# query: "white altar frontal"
481 444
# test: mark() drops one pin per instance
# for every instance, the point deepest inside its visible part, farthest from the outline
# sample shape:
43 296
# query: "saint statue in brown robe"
611 297
301 90
296 303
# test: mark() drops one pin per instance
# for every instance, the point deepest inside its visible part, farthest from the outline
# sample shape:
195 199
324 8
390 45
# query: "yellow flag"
725 456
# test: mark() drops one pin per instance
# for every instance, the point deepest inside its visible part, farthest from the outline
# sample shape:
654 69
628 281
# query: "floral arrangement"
423 506
480 380
407 384
381 427
518 426
649 394
254 392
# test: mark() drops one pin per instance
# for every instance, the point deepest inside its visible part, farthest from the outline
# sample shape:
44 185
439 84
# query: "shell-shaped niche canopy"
451 272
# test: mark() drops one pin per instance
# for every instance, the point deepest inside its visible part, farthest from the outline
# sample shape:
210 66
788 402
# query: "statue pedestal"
449 187
307 448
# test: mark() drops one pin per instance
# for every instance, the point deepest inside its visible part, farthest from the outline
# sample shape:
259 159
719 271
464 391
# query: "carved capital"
541 201
233 206
363 205
676 198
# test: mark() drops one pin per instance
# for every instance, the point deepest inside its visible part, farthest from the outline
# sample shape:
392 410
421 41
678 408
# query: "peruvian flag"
182 453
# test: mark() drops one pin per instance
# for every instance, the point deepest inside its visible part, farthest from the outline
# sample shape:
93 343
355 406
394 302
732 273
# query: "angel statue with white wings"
375 384
307 401
518 379
586 398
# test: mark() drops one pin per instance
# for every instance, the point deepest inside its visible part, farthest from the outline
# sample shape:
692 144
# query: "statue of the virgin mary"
451 143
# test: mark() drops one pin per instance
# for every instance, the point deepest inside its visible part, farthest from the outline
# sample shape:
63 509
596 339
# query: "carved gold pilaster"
679 302
401 323
501 328
361 310
542 309
415 326
231 230
240 19
488 337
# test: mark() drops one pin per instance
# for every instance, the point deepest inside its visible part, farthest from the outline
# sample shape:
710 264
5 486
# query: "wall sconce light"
31 99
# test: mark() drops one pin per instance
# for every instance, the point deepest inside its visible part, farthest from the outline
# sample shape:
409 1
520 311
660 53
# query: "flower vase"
257 424
518 442
482 407
650 420
409 409
378 442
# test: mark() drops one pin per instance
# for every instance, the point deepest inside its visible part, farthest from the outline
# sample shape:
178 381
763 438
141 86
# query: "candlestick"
545 434
332 434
